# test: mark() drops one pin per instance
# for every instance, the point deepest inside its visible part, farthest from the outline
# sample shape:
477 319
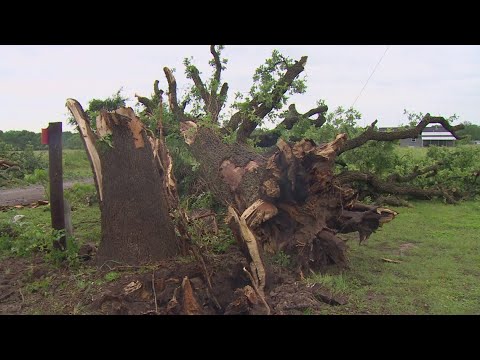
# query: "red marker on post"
45 136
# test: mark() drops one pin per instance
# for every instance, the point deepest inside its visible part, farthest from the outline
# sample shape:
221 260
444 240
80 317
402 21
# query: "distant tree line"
19 139
471 130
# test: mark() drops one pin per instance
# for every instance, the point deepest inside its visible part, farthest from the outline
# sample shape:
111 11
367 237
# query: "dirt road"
29 194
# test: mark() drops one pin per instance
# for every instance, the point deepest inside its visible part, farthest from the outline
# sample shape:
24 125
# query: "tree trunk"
130 181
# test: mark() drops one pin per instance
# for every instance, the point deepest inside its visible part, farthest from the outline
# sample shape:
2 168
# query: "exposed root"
257 290
248 237
196 252
190 304
154 292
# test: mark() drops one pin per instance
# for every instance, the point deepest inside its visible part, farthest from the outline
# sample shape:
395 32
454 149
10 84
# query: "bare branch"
200 86
318 110
218 67
293 116
149 105
320 120
184 103
213 101
159 129
372 134
280 88
234 121
223 94
172 90
172 97
388 187
157 91
429 171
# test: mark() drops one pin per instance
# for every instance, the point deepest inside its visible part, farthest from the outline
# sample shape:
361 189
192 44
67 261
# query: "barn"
435 135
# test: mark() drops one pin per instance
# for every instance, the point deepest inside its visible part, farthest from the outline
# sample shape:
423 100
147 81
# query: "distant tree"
19 139
470 130
72 140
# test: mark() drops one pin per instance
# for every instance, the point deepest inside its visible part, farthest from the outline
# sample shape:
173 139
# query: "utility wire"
373 72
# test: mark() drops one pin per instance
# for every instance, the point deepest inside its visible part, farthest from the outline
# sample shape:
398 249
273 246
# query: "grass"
75 163
416 153
439 249
75 166
85 219
112 276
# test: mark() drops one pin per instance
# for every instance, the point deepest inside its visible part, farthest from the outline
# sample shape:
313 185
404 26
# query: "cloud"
35 81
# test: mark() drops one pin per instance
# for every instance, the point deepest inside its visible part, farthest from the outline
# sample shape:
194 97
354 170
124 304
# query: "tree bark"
130 179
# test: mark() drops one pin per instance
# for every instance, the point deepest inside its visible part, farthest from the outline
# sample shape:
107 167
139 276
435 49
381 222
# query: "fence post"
56 181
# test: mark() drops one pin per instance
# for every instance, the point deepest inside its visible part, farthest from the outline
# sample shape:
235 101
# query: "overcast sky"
35 81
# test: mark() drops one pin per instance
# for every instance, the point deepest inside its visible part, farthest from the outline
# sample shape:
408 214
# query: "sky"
35 81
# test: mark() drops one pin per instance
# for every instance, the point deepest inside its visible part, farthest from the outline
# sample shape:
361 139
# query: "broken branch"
391 188
89 139
172 97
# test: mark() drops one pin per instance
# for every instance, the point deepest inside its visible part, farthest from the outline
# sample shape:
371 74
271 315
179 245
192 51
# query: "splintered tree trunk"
136 227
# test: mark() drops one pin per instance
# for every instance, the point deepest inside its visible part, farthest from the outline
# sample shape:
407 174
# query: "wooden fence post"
56 181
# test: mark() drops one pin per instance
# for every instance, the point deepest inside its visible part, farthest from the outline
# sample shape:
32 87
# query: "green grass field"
75 164
85 219
439 249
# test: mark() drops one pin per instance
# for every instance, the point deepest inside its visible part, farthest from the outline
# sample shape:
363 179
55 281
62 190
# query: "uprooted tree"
287 197
282 193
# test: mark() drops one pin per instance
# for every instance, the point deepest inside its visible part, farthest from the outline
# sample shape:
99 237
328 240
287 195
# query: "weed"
335 283
68 256
82 284
112 276
81 194
282 259
39 176
308 311
204 237
41 285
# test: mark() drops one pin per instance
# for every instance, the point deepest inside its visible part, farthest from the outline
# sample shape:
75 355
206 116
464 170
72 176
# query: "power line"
373 72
